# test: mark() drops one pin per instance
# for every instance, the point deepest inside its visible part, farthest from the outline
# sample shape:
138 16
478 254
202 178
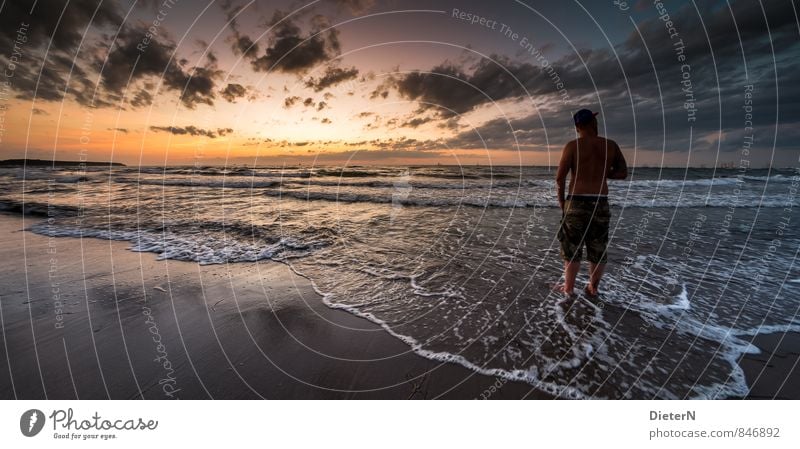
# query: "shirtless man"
591 160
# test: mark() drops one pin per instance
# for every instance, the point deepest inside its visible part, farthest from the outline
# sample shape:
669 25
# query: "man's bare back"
591 160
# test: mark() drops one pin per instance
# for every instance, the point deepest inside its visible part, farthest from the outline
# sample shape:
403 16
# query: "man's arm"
619 168
564 167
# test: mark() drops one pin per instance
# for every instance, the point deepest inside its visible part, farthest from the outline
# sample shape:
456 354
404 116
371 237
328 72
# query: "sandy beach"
111 323
89 319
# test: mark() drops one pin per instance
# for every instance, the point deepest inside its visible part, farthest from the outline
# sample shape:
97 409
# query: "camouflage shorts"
584 223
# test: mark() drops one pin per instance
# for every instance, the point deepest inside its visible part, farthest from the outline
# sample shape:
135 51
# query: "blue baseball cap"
584 116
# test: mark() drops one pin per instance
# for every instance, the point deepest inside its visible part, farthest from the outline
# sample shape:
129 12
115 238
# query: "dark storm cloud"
142 98
331 77
192 130
233 91
129 59
449 89
51 23
654 113
716 61
717 31
289 50
28 27
69 70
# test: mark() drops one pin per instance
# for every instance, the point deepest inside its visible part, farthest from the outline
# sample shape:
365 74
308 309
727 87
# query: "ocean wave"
511 201
252 184
719 181
276 173
37 209
242 180
205 249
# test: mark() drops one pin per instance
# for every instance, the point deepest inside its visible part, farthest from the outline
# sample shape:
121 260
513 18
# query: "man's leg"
595 275
571 270
597 247
570 234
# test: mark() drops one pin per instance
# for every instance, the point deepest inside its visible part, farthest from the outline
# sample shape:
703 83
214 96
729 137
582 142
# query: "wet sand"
775 373
88 319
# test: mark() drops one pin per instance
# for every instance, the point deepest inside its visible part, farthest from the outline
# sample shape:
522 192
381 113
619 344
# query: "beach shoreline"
112 323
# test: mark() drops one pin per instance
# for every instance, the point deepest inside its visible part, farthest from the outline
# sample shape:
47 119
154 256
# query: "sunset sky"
396 82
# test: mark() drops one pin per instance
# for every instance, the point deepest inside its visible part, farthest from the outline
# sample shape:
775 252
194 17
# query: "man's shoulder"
608 141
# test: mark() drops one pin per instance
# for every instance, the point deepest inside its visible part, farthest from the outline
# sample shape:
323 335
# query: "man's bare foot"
562 288
590 290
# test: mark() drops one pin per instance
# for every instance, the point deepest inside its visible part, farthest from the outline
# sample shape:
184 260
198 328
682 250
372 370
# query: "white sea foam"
523 201
205 249
200 182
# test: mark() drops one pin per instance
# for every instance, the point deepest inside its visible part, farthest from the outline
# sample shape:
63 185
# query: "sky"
360 82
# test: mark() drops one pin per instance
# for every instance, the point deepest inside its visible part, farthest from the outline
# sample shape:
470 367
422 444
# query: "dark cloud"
233 91
308 102
332 76
290 101
326 121
376 93
321 105
28 27
720 65
449 90
142 98
241 44
37 111
636 85
291 51
198 85
192 130
524 134
382 89
451 124
356 7
130 59
59 24
244 46
416 122
68 69
122 130
211 57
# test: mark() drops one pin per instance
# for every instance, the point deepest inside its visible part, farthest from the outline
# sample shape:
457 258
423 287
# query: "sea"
459 262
